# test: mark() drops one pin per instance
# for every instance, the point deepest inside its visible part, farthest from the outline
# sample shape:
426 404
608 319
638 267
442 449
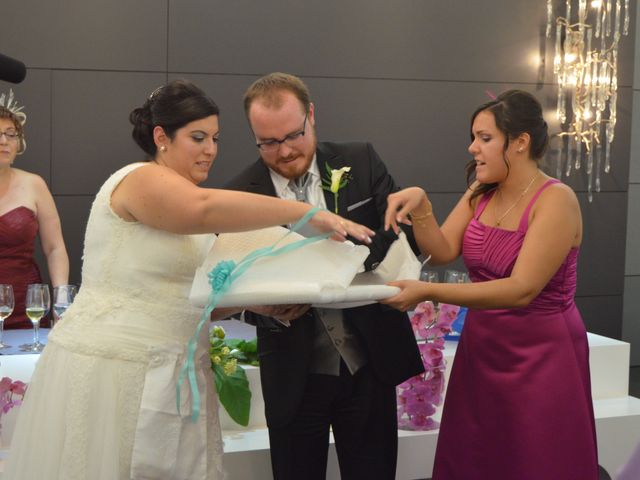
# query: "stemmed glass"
452 276
430 276
63 296
6 308
47 300
37 305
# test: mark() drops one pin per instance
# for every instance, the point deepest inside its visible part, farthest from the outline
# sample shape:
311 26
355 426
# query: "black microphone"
12 70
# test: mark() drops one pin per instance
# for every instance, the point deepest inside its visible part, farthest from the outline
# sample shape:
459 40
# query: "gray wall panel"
421 129
87 34
35 95
636 71
634 167
601 262
74 213
631 322
602 315
632 261
91 130
363 38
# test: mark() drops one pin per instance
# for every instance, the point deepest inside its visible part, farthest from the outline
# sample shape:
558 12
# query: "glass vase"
419 396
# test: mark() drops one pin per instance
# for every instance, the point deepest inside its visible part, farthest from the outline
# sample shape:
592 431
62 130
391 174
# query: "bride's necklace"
524 192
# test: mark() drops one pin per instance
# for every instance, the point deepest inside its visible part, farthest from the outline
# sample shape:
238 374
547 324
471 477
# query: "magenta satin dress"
18 230
518 403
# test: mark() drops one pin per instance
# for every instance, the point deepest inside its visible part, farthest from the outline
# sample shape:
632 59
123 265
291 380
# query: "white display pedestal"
617 423
247 451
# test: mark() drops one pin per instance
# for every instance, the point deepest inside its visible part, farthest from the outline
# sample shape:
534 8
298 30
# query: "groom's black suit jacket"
385 333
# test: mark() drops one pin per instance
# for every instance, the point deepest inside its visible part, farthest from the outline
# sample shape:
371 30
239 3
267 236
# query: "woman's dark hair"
515 112
171 107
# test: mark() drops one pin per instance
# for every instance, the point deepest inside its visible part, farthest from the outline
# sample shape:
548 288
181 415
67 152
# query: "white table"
15 338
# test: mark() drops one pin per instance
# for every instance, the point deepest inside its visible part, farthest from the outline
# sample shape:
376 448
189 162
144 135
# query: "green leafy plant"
231 382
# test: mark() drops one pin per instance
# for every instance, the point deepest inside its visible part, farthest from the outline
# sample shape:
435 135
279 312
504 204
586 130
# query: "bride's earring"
163 148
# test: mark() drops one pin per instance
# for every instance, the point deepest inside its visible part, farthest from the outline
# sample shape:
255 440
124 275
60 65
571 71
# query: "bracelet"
419 219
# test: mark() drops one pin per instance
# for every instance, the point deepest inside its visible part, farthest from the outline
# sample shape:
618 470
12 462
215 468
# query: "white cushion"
320 273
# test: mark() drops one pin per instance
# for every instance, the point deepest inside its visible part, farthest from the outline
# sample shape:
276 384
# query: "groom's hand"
282 313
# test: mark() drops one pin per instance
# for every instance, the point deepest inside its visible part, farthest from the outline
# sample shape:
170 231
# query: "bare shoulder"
558 195
31 181
557 201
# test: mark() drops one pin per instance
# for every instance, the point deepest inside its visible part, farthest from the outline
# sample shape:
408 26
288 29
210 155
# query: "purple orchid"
8 389
419 396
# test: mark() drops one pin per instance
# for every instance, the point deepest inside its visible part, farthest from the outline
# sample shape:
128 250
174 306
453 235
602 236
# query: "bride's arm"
159 197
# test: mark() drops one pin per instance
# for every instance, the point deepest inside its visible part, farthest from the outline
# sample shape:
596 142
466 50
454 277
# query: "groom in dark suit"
323 368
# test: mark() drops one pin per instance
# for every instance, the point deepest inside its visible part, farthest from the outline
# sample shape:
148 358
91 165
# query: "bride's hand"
400 204
341 227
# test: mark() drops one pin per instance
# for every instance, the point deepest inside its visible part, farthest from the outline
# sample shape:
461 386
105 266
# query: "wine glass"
63 296
37 304
430 276
6 308
451 276
47 300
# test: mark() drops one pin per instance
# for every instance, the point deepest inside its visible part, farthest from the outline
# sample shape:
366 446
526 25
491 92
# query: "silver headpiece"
9 102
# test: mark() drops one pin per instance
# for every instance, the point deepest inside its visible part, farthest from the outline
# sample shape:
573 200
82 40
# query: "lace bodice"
135 278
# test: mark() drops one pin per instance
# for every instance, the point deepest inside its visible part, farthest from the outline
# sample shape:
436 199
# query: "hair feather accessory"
9 102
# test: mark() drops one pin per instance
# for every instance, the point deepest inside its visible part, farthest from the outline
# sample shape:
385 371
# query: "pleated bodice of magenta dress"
518 404
18 230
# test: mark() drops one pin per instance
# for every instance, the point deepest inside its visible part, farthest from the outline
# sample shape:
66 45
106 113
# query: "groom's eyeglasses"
291 140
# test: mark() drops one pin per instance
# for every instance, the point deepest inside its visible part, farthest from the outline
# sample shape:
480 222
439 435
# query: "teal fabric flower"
219 276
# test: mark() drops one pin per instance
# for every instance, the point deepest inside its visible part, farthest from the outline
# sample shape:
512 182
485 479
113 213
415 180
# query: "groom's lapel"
261 183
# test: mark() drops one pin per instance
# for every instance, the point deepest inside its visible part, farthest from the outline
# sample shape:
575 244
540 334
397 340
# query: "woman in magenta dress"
518 404
26 207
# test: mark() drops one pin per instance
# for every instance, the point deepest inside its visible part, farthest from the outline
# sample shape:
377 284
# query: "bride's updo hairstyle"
515 112
171 107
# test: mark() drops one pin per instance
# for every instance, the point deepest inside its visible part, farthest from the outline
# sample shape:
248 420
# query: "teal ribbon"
220 278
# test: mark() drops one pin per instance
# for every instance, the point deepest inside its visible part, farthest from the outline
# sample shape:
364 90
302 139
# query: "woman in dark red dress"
26 207
518 404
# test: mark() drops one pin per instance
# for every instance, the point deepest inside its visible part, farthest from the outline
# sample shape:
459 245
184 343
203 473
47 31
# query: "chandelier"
586 69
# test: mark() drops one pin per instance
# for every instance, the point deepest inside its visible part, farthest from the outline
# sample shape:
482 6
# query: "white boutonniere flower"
335 180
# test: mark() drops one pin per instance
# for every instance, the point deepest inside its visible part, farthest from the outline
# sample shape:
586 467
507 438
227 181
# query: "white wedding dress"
102 401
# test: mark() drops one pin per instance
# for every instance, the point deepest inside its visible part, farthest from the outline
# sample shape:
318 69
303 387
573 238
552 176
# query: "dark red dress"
18 230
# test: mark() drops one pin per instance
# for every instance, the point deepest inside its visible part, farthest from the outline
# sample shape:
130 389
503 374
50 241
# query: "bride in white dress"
102 401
